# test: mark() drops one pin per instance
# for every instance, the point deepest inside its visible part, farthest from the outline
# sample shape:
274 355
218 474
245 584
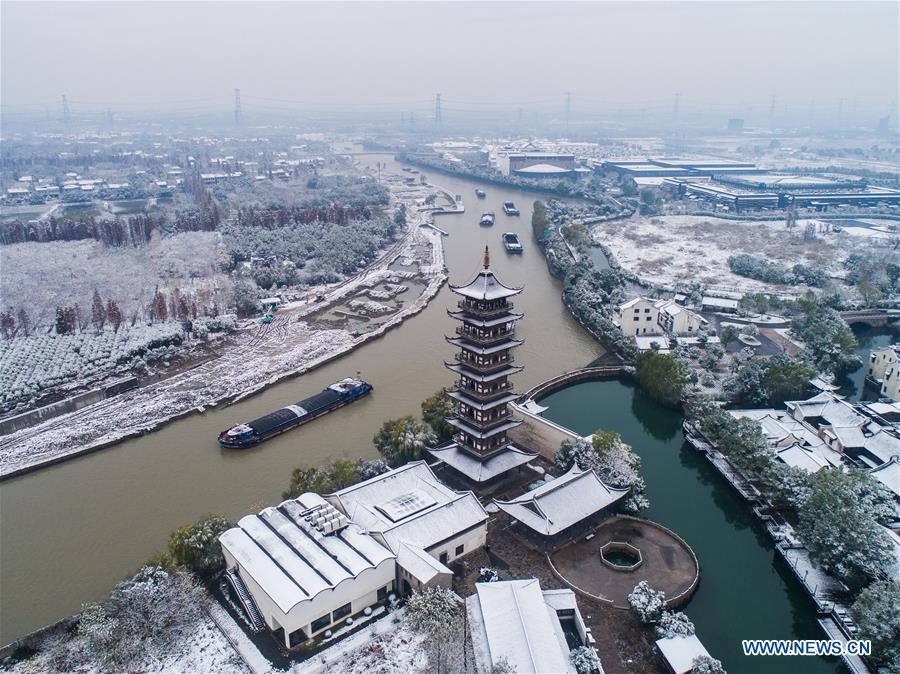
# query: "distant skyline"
395 56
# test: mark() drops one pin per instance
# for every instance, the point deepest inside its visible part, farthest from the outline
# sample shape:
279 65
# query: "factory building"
536 164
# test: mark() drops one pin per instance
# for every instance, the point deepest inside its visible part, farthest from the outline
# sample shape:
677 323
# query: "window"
297 637
341 612
382 593
443 558
649 318
459 550
321 623
646 311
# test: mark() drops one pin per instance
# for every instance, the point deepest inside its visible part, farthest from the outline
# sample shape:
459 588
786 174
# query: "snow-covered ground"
263 355
683 248
207 650
388 647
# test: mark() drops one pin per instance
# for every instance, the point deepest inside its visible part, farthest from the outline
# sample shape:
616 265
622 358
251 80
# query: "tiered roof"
485 286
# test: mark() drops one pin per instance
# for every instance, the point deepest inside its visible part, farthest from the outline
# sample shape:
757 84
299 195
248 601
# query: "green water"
746 591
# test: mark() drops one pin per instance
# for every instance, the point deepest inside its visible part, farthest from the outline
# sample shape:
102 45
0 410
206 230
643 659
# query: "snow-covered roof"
485 286
888 474
804 458
516 624
485 350
555 506
680 652
419 563
409 505
832 408
481 471
484 323
722 302
883 445
290 560
543 168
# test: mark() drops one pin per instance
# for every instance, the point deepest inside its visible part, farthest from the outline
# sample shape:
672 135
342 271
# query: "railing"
483 311
485 367
484 339
486 423
496 392
247 602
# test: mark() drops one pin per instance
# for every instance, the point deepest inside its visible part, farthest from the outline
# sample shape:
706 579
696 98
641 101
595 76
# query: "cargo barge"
253 432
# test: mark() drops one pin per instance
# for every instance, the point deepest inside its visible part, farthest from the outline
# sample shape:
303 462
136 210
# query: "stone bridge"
873 317
567 378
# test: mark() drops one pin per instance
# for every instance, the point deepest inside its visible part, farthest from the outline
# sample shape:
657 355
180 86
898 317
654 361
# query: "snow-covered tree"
369 468
140 623
613 461
584 660
838 523
435 410
704 664
876 612
647 603
196 546
402 440
674 624
435 612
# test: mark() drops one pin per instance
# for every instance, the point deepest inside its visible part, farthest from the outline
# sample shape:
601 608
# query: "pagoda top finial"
487 258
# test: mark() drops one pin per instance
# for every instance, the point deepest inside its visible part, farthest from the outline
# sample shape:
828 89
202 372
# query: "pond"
746 591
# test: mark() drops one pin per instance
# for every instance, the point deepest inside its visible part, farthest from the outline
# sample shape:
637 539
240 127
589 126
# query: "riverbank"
294 343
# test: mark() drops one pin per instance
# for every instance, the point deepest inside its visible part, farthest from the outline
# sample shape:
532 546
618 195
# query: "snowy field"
683 248
207 650
261 356
73 269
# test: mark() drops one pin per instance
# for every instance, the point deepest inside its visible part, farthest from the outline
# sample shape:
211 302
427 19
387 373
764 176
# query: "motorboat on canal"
487 218
511 242
510 208
253 432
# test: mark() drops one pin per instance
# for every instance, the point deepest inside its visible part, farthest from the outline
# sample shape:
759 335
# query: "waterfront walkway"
830 596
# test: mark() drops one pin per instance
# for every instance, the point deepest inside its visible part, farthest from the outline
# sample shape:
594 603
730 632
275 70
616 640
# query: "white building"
679 653
880 360
517 622
644 316
309 563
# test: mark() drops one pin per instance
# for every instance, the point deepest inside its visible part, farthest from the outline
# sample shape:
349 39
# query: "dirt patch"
624 645
668 563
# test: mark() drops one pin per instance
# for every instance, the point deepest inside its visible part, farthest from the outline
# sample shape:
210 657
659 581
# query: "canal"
71 531
746 591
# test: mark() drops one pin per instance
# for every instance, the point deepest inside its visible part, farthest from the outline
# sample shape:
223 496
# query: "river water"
71 531
746 590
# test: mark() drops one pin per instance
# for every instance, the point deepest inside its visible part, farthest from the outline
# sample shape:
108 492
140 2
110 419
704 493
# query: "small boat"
511 242
253 432
510 208
487 218
480 194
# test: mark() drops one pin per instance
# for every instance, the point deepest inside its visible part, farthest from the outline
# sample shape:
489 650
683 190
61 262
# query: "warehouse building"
311 563
536 164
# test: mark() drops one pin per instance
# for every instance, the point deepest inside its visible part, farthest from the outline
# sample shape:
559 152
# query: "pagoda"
486 338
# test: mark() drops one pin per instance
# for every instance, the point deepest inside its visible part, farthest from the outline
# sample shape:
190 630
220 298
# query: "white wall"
644 322
359 592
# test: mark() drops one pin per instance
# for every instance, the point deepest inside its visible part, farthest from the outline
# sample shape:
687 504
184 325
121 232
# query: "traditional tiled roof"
555 506
481 471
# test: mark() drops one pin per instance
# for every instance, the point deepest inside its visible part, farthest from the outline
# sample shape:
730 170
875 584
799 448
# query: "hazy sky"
131 53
